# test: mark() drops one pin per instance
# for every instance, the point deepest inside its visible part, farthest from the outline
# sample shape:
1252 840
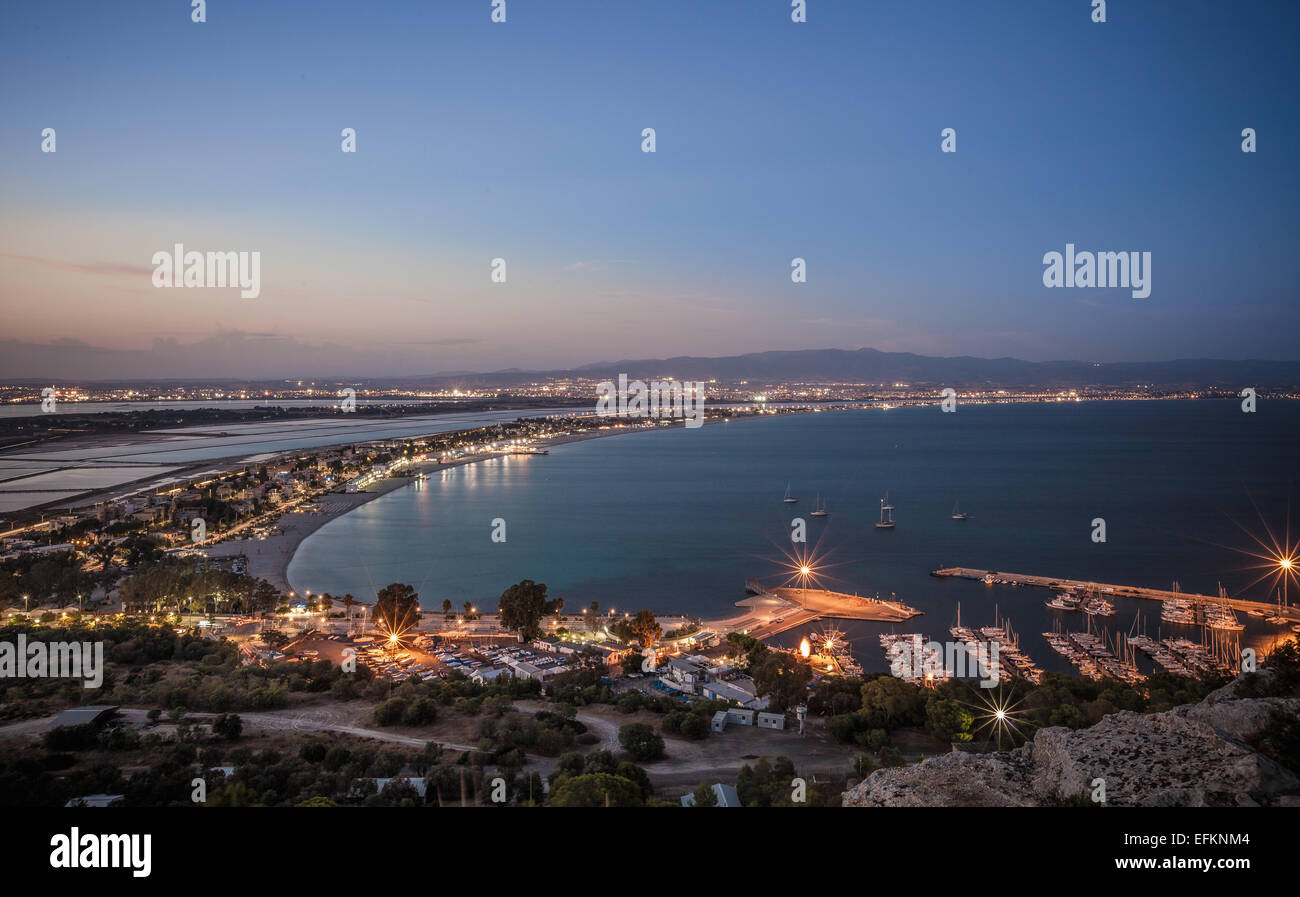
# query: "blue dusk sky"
523 141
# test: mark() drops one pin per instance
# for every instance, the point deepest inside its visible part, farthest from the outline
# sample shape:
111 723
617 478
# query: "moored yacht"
1064 601
819 507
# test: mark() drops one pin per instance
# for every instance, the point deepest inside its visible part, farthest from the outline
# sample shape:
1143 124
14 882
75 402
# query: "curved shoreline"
271 557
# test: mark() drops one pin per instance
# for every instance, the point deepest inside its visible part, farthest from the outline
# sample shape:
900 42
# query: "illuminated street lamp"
1284 566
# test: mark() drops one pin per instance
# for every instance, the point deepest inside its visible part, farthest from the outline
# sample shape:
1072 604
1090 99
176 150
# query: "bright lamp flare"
998 714
1279 561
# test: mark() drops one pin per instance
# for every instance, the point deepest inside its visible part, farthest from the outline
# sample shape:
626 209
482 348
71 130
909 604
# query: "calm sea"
675 520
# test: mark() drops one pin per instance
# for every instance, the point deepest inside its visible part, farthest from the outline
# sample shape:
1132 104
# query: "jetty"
776 610
994 577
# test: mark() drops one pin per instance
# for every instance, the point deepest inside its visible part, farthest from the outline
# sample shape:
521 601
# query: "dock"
1062 583
773 611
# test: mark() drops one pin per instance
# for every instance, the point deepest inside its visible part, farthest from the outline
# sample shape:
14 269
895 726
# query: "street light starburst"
394 635
998 714
1278 556
803 568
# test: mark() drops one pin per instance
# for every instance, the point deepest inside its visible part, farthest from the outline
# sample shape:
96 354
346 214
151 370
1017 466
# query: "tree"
947 720
274 638
644 628
782 679
600 761
637 776
233 794
640 741
901 702
522 607
228 725
390 712
632 664
421 712
446 605
595 790
696 727
705 795
397 607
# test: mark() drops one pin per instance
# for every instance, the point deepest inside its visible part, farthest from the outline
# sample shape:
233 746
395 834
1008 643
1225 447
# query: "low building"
82 716
729 691
94 800
720 721
483 675
685 674
522 669
771 720
726 796
414 781
743 717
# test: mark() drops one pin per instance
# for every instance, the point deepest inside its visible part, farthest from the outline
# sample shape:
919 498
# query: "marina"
1186 605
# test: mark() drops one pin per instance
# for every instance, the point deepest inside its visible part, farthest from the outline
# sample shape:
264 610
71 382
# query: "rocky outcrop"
1193 755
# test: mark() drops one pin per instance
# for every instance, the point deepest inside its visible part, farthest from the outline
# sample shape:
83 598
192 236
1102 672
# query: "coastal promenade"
1061 583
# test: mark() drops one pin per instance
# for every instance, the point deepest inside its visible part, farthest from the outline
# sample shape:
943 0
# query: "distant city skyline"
522 141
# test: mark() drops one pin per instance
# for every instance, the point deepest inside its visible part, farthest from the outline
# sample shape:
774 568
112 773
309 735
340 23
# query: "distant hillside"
874 366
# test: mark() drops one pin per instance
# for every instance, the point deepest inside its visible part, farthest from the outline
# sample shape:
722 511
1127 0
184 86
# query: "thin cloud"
100 268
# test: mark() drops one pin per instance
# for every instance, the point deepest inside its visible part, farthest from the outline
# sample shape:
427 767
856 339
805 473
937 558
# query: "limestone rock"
1193 755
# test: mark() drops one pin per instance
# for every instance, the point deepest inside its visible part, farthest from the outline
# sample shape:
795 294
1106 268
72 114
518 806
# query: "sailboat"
789 499
956 514
886 514
819 508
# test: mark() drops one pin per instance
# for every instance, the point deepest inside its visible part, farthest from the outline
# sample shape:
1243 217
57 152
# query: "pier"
1060 583
773 611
